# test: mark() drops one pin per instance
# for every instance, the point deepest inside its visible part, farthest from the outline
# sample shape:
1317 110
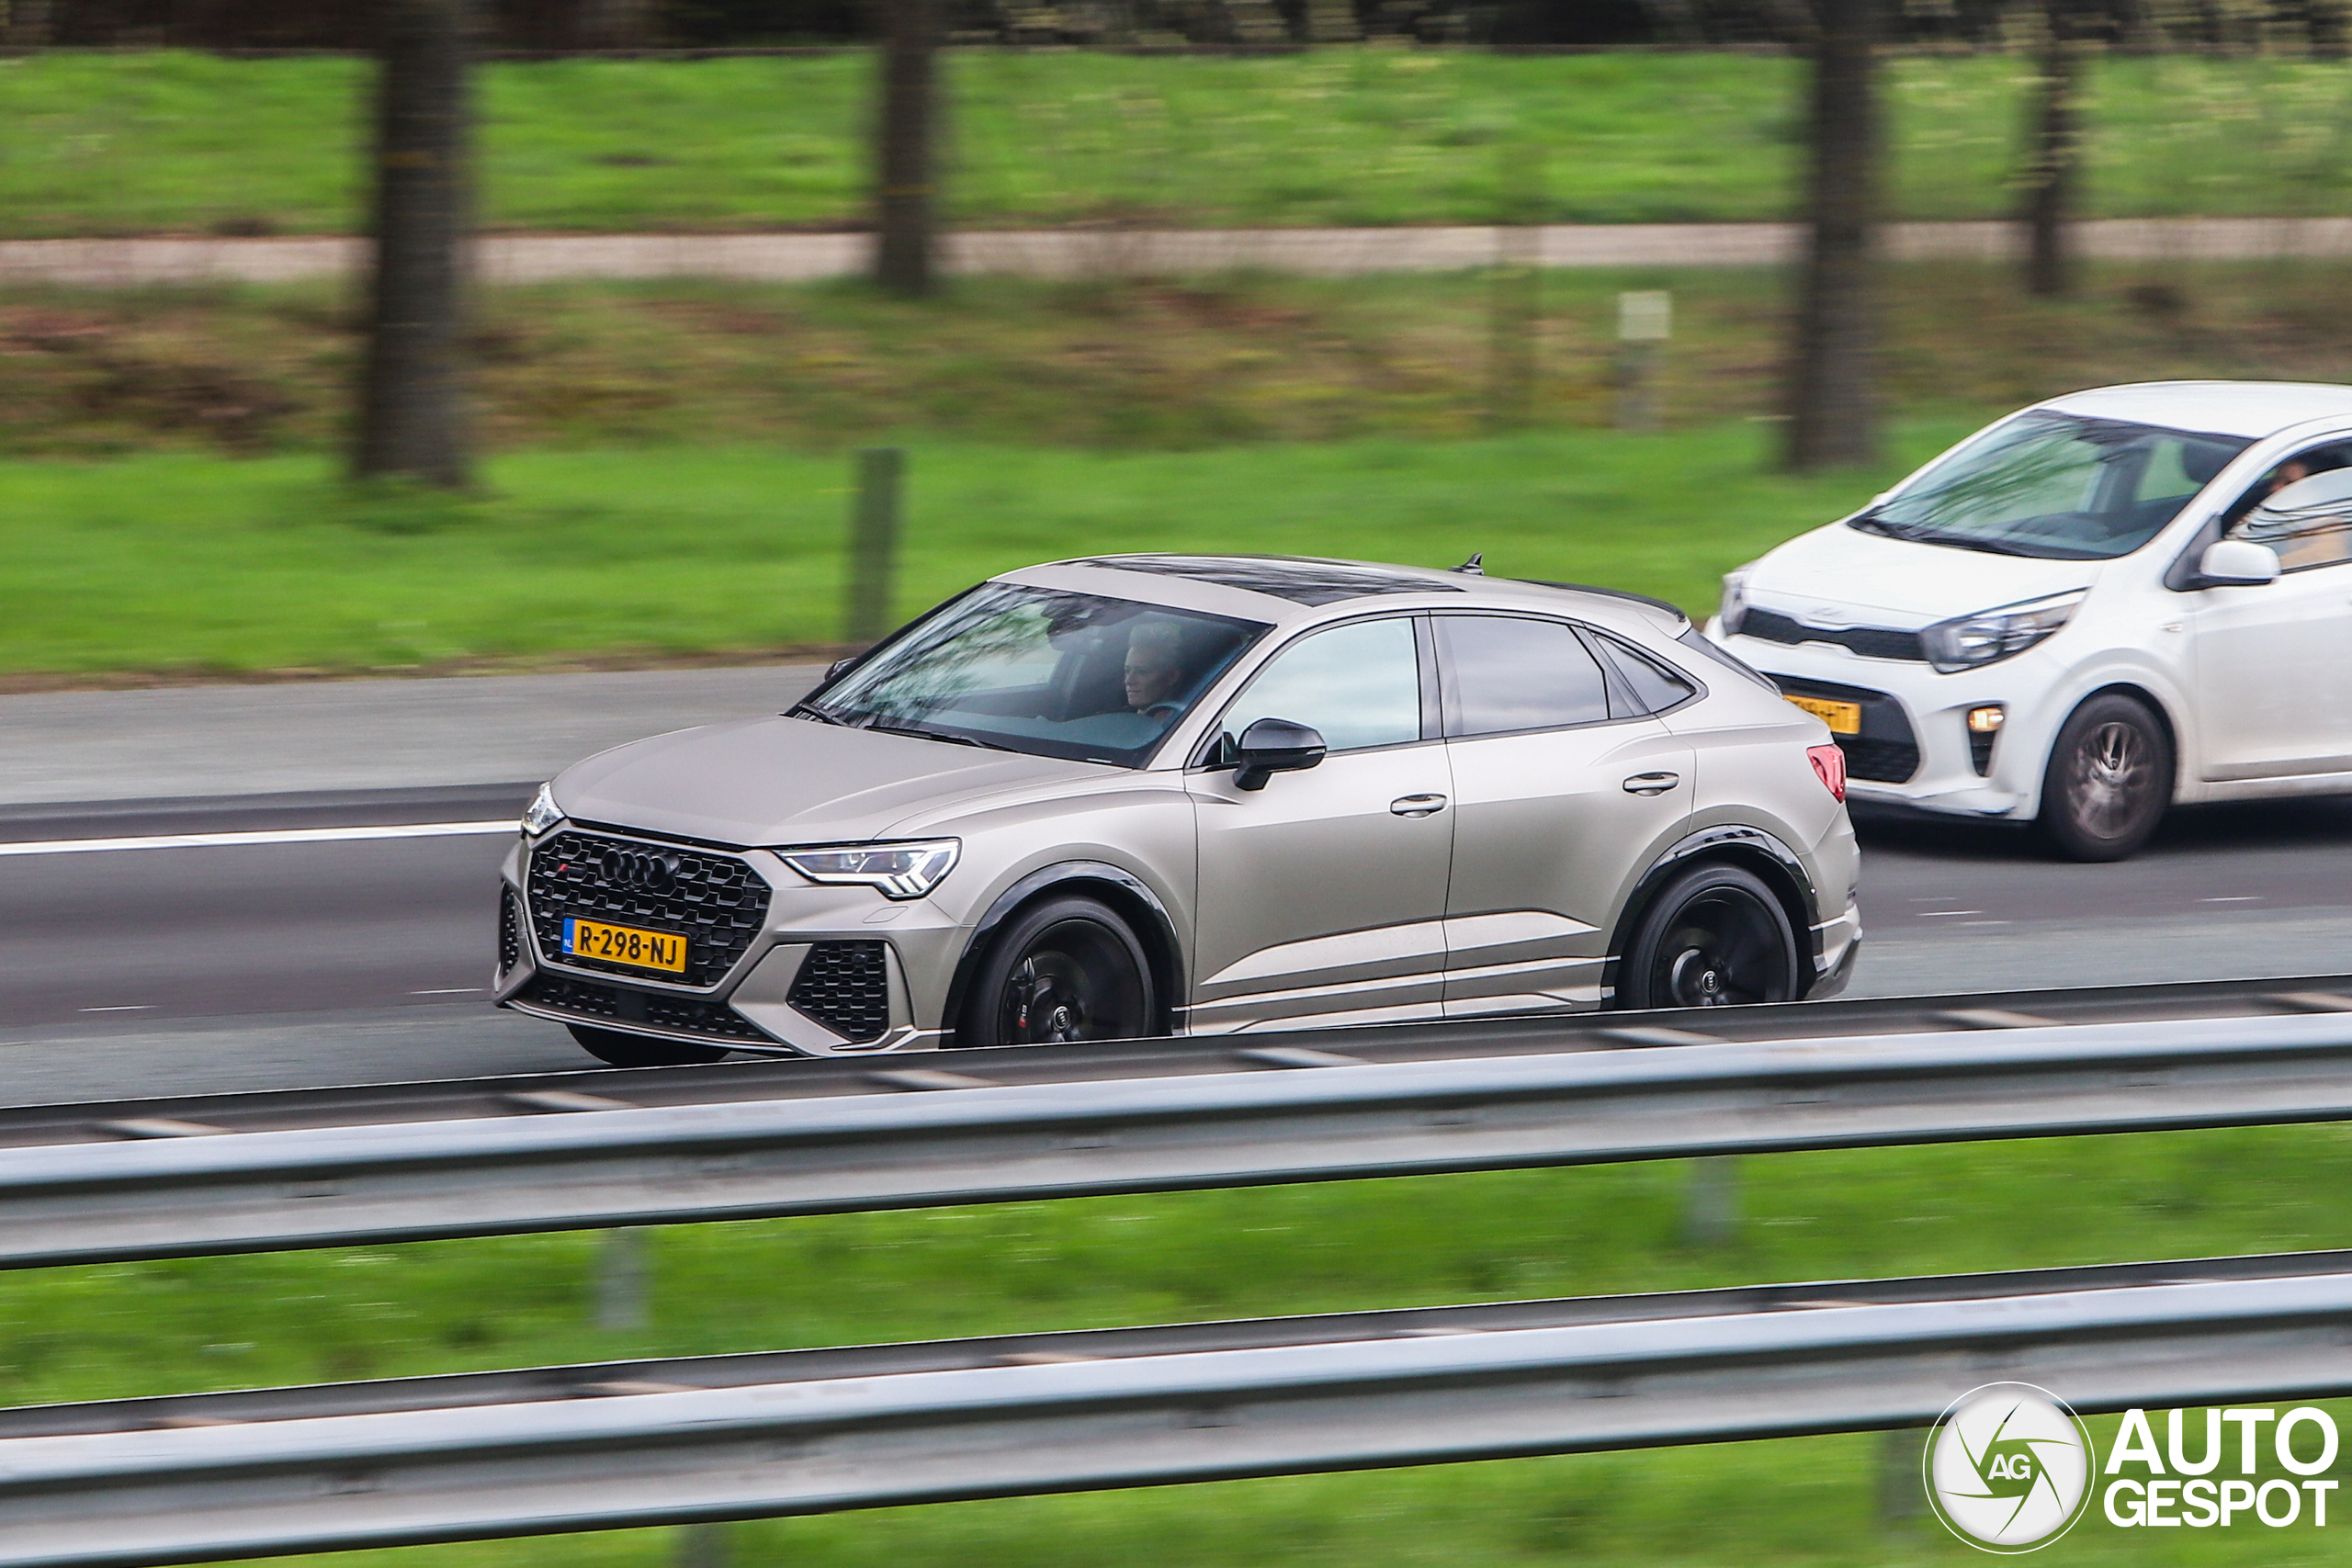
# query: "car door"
1322 895
2272 665
1560 798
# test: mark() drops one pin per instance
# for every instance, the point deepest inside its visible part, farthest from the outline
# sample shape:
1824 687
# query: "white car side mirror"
2237 563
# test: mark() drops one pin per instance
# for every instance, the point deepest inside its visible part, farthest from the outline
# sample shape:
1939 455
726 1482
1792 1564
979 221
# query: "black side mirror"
838 668
1273 746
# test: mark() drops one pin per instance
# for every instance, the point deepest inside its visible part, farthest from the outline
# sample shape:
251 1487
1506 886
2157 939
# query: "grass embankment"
145 1328
1105 363
171 562
172 142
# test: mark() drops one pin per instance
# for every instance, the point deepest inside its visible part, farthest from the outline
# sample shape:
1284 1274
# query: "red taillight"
1829 767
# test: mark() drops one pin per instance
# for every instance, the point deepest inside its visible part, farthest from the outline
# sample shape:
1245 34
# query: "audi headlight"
898 870
542 814
1733 608
1967 641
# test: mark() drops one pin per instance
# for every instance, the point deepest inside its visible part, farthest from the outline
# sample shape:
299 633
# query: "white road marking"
269 836
1939 914
2234 899
449 991
125 1007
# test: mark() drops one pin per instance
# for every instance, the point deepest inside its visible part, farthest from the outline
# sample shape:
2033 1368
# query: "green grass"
198 562
175 141
189 1325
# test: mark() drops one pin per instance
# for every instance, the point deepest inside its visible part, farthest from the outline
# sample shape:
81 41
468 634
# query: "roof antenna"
1474 567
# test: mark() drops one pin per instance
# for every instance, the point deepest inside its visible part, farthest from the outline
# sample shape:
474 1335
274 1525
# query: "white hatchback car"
2099 606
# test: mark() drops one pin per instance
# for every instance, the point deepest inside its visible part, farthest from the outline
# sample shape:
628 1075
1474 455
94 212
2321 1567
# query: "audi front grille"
714 900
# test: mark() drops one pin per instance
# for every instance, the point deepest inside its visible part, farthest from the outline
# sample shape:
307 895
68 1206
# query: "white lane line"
1939 914
2234 899
449 991
123 1006
271 836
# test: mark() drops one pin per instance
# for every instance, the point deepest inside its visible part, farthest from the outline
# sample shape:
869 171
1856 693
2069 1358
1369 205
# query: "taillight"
1829 767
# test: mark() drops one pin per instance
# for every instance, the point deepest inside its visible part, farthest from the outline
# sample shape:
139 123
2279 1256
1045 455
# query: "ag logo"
2008 1467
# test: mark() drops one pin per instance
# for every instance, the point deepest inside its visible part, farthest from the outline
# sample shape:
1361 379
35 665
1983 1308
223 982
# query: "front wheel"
615 1049
1062 971
2108 782
1714 936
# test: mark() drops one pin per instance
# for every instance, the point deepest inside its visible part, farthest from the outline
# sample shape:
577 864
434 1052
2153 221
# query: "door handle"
1418 804
1652 784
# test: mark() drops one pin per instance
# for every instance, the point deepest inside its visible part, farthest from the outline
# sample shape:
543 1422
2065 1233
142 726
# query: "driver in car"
1154 670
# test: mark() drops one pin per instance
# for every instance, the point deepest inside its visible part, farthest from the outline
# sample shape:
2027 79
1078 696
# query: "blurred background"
285 509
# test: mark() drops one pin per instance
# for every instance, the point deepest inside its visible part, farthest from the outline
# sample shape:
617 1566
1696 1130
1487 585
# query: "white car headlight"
1965 642
542 814
1733 608
899 871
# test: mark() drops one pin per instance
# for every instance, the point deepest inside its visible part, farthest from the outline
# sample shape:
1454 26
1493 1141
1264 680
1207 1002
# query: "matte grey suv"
1153 795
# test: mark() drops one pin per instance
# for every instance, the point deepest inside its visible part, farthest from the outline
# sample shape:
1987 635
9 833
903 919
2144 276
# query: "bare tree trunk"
903 205
2052 162
412 417
28 23
1832 409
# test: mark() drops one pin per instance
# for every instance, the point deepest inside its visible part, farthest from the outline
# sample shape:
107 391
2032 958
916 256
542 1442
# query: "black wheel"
615 1049
1064 970
1714 936
2109 781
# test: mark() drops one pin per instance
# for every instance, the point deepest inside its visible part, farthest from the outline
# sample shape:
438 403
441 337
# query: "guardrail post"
705 1546
1710 1201
874 543
620 1278
1902 1490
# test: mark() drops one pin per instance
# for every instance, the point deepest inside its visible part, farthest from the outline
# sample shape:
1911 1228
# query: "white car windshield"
2057 486
1042 671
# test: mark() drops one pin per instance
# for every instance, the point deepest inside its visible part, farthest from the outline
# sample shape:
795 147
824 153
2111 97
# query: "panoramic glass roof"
1299 580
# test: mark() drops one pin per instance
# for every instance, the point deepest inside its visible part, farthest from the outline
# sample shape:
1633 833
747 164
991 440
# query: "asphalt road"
216 968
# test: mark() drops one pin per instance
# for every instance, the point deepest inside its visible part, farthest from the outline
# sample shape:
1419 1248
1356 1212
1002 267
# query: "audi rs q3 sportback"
1166 795
2097 608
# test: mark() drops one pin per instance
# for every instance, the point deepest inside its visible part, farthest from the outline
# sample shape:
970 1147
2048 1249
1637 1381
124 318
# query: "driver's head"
2288 473
1154 670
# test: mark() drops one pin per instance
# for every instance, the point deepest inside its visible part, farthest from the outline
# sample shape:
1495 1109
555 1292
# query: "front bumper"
823 972
1915 750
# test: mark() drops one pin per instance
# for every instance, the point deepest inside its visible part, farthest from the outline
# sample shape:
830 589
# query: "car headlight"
542 814
1966 641
899 871
1733 608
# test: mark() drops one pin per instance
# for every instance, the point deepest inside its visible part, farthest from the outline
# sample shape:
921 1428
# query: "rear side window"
1507 673
1653 687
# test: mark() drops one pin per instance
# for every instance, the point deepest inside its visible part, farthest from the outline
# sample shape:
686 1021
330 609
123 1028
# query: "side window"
1359 685
1653 687
1507 672
2305 515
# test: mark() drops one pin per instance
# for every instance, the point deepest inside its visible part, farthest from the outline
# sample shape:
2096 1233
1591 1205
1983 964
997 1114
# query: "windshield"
1041 671
2056 486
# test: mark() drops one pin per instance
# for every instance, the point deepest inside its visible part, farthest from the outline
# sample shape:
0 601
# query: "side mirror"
838 668
1273 746
2237 563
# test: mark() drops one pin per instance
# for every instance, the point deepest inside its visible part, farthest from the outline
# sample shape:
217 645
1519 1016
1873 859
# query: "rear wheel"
2110 779
1714 936
619 1050
1065 970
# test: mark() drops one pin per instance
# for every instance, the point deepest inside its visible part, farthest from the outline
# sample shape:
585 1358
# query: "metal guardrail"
165 1196
403 1463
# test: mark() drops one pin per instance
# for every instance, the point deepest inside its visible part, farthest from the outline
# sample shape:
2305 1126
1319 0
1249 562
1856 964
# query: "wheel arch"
1127 894
1769 857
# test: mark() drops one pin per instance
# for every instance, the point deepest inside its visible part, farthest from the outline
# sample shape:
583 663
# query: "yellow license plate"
1843 719
625 944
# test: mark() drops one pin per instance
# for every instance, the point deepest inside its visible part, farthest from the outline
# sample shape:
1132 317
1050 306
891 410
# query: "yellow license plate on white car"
625 944
1843 719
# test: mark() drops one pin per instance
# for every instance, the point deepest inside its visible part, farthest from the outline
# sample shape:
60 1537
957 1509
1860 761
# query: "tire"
1714 936
1065 970
615 1049
2108 779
